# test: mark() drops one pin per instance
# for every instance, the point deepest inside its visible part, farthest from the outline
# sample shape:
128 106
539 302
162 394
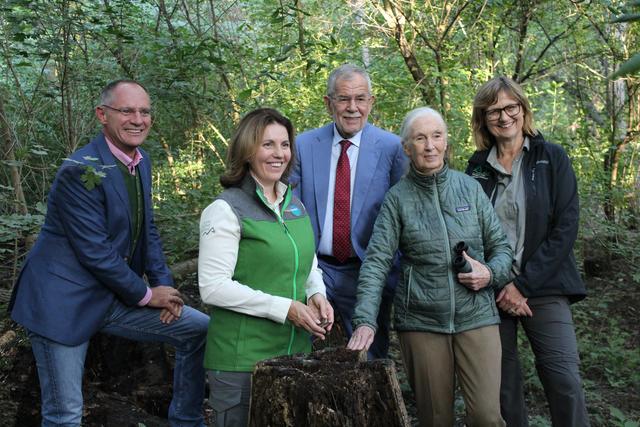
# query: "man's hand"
304 316
513 302
361 338
167 317
479 276
167 298
323 310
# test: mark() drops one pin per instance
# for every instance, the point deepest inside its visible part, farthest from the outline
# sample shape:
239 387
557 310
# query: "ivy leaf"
91 177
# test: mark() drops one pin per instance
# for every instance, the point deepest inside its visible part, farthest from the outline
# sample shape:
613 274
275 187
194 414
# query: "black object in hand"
460 264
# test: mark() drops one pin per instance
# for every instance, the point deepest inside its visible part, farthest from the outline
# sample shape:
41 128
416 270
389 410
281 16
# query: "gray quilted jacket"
425 217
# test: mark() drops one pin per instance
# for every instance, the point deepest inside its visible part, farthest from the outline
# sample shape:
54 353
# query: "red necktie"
342 206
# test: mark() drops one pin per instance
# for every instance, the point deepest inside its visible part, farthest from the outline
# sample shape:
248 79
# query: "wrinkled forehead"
353 84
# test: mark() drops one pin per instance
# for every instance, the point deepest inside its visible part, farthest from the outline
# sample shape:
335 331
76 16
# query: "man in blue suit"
86 271
342 173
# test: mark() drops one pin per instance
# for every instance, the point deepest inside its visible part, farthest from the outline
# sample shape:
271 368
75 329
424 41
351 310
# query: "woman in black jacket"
533 189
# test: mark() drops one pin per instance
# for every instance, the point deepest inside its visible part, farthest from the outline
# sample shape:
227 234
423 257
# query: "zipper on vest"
295 276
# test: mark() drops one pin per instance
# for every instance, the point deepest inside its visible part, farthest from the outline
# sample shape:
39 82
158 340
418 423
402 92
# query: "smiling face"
427 144
272 156
505 128
350 104
127 132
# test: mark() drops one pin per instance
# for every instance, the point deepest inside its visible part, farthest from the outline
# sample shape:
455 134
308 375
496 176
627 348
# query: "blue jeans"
60 367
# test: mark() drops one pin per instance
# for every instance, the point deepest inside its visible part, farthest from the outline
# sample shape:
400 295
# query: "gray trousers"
553 340
229 396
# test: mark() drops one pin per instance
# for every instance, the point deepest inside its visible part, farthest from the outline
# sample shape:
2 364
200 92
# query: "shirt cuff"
147 297
279 309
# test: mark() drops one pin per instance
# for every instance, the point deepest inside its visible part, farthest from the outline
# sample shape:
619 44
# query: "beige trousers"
433 361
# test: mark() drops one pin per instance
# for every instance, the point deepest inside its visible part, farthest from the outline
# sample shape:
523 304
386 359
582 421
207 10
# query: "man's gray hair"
407 123
346 71
107 91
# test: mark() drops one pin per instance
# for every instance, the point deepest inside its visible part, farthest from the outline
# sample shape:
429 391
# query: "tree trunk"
395 21
9 155
331 387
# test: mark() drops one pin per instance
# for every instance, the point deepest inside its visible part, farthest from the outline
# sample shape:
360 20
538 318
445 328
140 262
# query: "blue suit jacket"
381 163
81 260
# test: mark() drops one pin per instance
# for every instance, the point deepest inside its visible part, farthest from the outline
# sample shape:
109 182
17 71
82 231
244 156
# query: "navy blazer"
81 261
381 163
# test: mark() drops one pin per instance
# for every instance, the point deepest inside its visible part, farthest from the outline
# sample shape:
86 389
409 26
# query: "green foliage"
620 419
632 65
14 226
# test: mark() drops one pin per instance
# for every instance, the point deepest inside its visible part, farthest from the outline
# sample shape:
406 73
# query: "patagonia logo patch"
463 208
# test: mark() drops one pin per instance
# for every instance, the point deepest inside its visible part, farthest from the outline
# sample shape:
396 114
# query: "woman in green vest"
257 265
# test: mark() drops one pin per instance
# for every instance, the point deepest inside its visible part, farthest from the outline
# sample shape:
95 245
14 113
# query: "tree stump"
330 387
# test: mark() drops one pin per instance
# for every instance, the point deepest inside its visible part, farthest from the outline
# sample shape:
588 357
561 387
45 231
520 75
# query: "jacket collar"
249 186
428 181
480 157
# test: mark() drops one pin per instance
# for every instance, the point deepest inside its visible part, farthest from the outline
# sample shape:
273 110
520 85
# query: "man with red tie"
341 174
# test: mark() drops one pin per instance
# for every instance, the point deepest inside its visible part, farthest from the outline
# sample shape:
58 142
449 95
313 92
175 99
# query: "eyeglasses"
511 110
360 100
128 112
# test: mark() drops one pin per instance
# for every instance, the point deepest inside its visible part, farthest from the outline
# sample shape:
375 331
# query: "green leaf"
627 17
91 177
15 163
630 67
616 413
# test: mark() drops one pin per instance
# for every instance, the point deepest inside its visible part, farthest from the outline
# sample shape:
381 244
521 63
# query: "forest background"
207 62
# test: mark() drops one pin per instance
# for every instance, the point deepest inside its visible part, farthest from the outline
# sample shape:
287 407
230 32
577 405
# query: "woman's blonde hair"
247 139
486 96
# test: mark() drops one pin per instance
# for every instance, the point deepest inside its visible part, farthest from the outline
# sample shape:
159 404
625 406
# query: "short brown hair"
247 139
486 96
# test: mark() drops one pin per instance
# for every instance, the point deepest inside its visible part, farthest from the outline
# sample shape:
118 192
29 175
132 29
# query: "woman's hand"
322 309
362 338
305 317
513 302
479 276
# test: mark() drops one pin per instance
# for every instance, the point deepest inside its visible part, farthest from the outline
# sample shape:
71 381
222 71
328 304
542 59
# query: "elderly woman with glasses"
533 188
454 256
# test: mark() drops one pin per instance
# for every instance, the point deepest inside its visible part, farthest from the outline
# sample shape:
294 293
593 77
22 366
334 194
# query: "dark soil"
129 384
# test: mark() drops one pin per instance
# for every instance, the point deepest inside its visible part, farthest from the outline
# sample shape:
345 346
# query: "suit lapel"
114 178
368 156
321 160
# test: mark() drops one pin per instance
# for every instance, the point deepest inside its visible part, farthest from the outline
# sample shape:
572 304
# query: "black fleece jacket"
552 219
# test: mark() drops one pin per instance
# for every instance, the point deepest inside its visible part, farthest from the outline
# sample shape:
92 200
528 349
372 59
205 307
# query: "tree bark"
9 154
395 21
331 387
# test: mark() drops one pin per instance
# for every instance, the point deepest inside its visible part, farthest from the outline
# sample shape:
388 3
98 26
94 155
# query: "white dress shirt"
325 246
